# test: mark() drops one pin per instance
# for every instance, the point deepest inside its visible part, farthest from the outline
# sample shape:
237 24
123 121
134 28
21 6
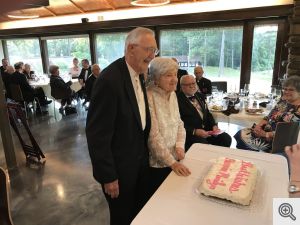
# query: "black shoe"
45 102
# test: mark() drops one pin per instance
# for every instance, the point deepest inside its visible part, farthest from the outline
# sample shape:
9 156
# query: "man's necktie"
140 99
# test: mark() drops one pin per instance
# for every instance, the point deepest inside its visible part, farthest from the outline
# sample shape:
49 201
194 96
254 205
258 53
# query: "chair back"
16 93
286 134
221 85
5 217
59 93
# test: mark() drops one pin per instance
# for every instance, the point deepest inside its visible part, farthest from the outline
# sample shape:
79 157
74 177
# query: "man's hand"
112 189
180 169
216 129
201 133
180 153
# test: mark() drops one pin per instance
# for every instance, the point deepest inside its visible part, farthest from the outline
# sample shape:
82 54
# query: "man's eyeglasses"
152 50
189 84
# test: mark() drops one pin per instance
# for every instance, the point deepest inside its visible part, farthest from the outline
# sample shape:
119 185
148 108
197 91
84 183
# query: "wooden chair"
221 85
286 133
16 95
5 217
58 94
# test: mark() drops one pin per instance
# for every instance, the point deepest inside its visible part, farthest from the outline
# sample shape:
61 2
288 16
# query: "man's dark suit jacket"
116 141
59 88
82 74
180 73
27 90
190 116
204 85
89 86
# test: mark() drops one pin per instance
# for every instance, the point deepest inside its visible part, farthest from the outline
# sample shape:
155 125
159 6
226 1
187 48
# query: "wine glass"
246 89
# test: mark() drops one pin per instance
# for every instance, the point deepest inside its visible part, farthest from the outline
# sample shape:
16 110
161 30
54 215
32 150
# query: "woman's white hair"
134 35
160 66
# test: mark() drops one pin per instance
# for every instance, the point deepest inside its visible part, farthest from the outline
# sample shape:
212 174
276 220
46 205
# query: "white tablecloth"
44 83
177 203
242 118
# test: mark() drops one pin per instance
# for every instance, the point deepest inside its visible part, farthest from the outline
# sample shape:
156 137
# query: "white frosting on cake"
230 179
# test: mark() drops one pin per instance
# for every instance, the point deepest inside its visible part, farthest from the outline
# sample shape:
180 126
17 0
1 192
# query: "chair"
286 134
16 95
58 94
5 217
221 85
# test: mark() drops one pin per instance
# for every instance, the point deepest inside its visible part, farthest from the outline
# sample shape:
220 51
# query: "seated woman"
59 88
167 134
28 72
75 69
260 136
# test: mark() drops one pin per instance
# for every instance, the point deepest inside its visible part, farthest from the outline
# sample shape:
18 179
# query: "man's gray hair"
53 69
160 66
94 65
134 35
185 76
292 81
18 65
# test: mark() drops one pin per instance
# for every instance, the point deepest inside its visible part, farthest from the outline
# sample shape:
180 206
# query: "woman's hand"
180 169
293 153
201 133
258 131
180 153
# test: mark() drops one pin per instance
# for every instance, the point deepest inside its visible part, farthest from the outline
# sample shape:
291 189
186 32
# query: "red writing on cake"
241 177
222 174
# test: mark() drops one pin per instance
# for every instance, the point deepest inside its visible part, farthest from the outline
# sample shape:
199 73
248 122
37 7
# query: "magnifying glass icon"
286 210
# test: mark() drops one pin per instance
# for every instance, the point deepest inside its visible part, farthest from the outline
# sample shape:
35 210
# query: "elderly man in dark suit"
198 121
203 83
118 125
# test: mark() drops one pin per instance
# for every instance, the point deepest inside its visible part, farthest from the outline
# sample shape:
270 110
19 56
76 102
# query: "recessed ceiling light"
149 3
22 16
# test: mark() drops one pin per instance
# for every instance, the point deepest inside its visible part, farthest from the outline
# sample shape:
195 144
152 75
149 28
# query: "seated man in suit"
84 74
89 83
59 88
198 121
203 83
28 92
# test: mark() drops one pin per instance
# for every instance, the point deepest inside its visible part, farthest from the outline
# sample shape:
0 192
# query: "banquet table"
242 118
178 202
45 84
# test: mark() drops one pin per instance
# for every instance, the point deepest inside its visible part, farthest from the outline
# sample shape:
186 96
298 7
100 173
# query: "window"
27 51
218 50
109 47
263 53
62 50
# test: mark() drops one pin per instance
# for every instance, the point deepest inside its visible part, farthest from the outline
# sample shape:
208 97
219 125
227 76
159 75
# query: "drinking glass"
246 89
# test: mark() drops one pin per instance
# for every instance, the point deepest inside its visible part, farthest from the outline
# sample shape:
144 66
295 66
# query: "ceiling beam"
50 11
77 6
110 3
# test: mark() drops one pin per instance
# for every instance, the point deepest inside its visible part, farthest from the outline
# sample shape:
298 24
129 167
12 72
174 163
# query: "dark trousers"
157 177
132 198
223 139
66 100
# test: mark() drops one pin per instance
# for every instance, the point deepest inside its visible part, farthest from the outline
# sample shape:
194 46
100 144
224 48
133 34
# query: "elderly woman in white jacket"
167 135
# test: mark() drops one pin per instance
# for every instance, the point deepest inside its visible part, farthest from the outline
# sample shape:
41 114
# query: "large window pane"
62 50
218 50
109 47
27 51
264 44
